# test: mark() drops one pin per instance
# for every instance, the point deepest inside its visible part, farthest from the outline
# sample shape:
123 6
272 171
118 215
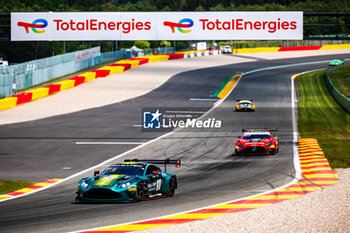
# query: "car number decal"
159 182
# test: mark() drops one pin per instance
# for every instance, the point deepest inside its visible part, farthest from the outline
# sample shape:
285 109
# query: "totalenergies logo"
183 23
37 24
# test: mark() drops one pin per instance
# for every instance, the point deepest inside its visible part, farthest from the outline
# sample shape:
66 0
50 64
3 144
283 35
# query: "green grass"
340 78
320 117
7 186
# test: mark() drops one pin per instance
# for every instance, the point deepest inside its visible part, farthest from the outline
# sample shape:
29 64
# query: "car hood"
110 180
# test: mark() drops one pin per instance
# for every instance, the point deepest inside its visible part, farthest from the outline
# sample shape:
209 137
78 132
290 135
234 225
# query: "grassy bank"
340 78
319 116
7 186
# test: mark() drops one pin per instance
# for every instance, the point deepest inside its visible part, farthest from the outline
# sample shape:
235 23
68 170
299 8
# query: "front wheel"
139 192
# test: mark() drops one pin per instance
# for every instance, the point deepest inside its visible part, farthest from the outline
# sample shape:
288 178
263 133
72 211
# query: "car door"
154 179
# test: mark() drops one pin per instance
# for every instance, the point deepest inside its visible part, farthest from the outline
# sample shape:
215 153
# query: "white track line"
199 99
109 143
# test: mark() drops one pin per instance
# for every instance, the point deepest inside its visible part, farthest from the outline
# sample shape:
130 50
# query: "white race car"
226 49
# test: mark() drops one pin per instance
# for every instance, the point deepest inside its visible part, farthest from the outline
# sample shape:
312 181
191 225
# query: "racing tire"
237 153
140 193
77 199
171 187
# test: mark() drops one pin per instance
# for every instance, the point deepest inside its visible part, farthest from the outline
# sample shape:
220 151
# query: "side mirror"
155 173
96 172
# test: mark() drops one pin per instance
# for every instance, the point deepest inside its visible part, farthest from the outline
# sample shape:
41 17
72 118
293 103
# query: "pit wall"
285 49
117 67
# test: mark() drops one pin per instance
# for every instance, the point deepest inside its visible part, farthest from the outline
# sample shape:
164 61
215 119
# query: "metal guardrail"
341 99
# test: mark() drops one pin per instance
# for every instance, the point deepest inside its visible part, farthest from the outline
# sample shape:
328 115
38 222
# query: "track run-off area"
49 138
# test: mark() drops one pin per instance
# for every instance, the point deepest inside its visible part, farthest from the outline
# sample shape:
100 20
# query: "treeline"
174 5
16 52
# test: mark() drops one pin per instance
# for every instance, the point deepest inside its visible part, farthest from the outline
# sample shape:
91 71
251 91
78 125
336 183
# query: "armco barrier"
8 102
89 76
39 93
66 84
78 80
53 88
174 56
256 50
23 98
133 63
342 100
335 46
113 69
101 73
299 48
124 66
142 60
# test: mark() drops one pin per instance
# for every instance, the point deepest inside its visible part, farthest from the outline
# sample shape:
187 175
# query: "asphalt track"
210 173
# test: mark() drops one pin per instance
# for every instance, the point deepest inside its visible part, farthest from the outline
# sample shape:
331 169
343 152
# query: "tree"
142 44
164 43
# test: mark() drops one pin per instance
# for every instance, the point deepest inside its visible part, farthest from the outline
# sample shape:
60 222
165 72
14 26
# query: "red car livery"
257 141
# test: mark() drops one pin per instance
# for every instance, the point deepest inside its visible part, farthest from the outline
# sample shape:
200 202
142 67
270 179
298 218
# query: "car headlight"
124 185
269 144
240 145
84 185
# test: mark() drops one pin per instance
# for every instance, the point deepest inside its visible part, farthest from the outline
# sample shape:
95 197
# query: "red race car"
257 141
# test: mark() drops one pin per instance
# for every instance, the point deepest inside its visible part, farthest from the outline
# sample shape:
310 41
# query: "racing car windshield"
122 169
256 136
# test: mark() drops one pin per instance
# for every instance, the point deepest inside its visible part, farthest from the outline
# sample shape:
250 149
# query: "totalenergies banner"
51 26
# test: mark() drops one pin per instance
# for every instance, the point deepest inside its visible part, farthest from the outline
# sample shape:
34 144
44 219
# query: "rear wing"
259 130
155 161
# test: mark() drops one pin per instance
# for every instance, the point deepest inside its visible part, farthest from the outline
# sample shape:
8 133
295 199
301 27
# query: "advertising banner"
86 54
66 26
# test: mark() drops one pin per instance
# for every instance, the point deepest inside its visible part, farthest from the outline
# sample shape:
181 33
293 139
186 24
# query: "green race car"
131 181
336 63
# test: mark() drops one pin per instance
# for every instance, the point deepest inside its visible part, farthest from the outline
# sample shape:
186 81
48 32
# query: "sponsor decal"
37 24
107 180
270 26
156 26
183 23
99 25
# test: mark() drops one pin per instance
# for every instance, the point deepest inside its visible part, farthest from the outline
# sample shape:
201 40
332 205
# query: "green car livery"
336 63
128 181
